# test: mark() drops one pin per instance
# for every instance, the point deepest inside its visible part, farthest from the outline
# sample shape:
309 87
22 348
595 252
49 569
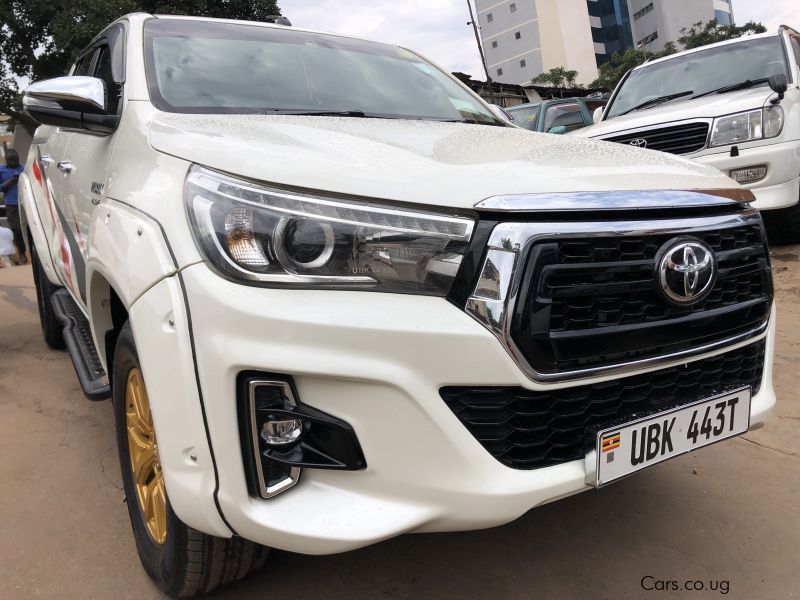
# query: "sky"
438 28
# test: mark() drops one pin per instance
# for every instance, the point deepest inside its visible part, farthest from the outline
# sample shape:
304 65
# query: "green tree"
39 39
557 77
611 72
712 32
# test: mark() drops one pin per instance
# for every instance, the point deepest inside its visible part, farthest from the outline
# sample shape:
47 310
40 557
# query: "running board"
78 338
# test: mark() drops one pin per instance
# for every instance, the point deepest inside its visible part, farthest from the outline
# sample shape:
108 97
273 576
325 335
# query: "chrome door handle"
65 167
46 161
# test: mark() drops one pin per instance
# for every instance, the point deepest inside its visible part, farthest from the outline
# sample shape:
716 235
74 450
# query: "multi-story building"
656 22
523 38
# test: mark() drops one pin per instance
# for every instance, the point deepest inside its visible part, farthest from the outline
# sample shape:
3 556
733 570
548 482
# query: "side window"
525 117
566 115
103 71
84 64
796 46
593 105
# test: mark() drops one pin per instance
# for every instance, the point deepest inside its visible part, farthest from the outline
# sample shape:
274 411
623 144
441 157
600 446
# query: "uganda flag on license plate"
610 442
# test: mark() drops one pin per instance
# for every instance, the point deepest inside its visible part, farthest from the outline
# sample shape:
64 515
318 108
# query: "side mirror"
779 84
501 113
557 130
597 115
74 102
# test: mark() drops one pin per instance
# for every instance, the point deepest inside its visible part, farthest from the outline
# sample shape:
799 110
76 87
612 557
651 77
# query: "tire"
52 329
183 562
783 226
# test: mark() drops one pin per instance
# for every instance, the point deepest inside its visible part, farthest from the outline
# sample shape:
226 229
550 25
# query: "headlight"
274 237
747 126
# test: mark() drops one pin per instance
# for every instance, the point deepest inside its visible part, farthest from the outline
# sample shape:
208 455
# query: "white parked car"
335 299
734 105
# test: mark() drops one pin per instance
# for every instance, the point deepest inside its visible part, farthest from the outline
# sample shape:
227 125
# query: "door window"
566 115
103 71
84 64
796 46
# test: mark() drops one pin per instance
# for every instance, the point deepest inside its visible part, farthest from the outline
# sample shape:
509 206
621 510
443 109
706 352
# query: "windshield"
215 67
701 72
525 117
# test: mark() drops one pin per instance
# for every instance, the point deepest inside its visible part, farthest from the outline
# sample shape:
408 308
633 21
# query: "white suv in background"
734 105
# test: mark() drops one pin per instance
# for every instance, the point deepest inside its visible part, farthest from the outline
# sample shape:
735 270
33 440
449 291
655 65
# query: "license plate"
634 446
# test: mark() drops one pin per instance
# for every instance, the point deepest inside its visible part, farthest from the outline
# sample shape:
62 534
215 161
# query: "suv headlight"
279 238
747 126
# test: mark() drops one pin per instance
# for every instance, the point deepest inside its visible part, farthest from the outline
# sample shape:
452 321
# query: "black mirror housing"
779 84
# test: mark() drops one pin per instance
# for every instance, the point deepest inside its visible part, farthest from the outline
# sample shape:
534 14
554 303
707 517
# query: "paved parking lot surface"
727 516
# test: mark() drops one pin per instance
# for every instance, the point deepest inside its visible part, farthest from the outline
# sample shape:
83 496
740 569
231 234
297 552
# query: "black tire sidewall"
51 328
160 561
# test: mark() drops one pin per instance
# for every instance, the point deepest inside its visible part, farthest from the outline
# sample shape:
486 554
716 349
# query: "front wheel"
183 562
783 225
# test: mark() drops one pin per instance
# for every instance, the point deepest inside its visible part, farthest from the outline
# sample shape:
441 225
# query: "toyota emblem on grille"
686 271
639 143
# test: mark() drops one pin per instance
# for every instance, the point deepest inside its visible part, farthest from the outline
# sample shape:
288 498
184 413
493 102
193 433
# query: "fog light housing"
281 436
749 174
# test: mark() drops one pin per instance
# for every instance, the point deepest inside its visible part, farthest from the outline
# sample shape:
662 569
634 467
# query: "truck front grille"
677 139
593 301
525 429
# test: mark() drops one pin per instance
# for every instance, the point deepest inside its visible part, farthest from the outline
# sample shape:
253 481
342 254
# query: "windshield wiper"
657 100
742 85
360 114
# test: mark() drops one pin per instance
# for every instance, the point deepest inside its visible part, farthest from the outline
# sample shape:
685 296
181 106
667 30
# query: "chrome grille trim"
518 238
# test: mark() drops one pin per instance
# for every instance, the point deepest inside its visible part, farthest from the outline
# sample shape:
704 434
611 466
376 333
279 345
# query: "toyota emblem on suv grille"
686 271
639 143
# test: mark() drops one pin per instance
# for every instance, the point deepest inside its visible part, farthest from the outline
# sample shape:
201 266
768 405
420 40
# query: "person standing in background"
9 178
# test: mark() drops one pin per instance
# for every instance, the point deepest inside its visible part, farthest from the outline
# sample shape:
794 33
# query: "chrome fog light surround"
281 436
292 477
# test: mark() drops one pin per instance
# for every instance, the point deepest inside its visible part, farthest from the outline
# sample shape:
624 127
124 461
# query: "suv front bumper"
781 187
374 360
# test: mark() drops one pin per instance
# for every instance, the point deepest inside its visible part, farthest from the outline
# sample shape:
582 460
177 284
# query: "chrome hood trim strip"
627 200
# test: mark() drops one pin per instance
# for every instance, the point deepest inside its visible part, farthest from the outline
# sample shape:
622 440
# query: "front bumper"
376 361
781 187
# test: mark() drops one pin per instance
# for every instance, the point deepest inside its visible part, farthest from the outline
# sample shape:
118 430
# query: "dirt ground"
727 516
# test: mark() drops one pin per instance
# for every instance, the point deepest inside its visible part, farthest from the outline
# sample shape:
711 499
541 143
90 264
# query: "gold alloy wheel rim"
145 466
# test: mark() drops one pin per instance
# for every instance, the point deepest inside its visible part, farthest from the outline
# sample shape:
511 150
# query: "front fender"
127 252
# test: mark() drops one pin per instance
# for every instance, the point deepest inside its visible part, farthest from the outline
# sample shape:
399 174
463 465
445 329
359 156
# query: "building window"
518 35
494 44
499 72
523 63
513 7
642 12
489 17
646 40
722 17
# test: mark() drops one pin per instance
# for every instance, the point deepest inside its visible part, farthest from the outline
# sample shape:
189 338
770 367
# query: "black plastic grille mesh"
524 429
677 139
595 301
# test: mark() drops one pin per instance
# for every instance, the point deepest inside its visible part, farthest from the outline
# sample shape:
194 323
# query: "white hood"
442 164
708 107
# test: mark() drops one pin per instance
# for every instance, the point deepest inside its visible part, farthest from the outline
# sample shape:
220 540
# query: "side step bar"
78 338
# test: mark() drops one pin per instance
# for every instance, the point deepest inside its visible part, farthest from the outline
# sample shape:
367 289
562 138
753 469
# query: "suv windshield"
215 67
700 73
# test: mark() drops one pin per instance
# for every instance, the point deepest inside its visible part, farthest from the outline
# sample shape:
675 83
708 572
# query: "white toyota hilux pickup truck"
334 299
734 105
